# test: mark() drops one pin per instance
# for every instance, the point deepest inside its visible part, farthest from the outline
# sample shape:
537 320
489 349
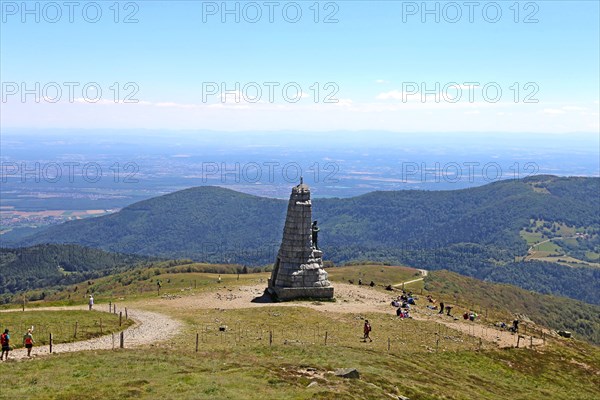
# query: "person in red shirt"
367 331
28 342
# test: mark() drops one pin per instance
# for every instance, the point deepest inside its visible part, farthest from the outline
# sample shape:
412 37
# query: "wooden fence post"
122 340
120 318
197 337
126 318
325 338
50 343
389 344
110 306
270 338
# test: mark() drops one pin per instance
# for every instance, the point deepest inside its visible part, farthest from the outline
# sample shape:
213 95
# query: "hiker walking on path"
28 342
441 307
5 341
91 302
367 331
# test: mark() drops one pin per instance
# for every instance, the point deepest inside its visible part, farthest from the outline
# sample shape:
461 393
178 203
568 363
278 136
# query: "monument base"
287 294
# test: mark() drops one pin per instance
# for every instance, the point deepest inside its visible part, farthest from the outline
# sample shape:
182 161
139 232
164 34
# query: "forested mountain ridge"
52 264
470 231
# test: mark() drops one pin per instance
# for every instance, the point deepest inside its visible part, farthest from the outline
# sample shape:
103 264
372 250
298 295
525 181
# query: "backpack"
4 339
28 340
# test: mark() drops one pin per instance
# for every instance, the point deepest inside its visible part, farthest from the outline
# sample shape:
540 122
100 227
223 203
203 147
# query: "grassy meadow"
277 350
65 326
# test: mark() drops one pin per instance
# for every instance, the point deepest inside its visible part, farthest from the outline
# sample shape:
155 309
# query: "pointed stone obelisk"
298 271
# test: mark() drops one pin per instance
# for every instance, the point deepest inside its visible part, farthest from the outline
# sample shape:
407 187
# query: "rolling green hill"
51 264
506 301
472 231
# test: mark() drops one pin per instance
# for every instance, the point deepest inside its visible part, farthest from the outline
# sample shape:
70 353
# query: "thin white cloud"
391 95
553 111
573 108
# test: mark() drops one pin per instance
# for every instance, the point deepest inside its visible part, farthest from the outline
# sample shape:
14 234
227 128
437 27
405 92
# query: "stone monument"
298 271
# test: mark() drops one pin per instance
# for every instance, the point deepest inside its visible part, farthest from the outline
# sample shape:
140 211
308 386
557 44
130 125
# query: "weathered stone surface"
299 266
350 373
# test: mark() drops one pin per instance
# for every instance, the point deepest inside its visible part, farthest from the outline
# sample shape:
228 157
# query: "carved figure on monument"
315 235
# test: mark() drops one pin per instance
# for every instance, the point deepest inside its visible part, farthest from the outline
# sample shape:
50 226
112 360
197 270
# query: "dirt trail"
150 327
350 299
423 272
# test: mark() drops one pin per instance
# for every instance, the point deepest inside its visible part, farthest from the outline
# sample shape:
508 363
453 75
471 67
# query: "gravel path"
150 327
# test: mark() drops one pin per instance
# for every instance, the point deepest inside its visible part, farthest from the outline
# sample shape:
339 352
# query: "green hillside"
506 301
471 231
46 265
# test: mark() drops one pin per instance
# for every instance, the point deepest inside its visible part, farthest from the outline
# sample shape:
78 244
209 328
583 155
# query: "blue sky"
372 56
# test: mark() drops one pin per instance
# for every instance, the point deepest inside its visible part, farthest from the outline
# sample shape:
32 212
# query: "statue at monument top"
301 187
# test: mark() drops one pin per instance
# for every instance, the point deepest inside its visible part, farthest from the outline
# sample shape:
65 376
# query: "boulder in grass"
349 373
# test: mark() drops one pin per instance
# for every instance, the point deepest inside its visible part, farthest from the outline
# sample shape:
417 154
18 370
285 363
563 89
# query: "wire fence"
409 337
56 333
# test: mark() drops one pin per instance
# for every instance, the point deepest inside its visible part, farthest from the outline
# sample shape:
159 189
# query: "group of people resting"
403 303
470 315
514 328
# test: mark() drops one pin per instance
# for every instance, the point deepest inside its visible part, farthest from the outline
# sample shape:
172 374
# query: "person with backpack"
5 341
28 342
367 331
